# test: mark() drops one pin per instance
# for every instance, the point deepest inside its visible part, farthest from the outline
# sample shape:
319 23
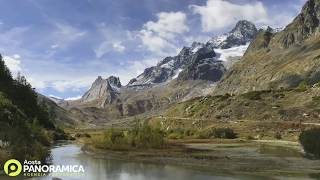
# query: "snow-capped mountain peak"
196 46
241 34
200 54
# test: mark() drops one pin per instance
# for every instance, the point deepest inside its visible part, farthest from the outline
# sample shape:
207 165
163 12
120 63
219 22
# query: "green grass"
141 136
220 133
309 139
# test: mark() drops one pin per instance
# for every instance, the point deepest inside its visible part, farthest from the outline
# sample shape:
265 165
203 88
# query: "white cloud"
67 99
118 46
61 84
54 46
197 38
218 14
11 39
112 40
37 83
160 36
156 43
107 46
168 25
68 32
134 68
74 85
16 56
13 63
61 77
138 66
64 35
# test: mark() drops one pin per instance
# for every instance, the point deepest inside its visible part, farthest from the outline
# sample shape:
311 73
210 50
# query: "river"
102 169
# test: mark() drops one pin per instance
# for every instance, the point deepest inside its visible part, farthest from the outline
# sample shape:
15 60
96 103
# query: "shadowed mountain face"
170 67
279 60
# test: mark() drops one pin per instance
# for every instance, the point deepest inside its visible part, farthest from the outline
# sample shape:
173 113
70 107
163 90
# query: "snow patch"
115 88
225 54
177 72
196 48
217 40
274 30
168 65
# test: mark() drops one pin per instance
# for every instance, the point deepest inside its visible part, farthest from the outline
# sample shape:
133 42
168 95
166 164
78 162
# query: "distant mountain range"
242 60
200 61
193 72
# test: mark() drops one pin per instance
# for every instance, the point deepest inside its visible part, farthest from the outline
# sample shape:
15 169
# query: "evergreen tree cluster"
25 125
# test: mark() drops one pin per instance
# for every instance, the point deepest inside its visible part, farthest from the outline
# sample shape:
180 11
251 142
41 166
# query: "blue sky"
61 46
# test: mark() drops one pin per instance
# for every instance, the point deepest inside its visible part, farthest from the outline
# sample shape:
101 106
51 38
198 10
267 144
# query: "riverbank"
257 158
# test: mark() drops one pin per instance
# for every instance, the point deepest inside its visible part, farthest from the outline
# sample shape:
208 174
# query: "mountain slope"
279 60
273 105
60 116
27 127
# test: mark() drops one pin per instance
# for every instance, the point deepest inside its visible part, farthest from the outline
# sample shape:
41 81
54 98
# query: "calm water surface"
102 169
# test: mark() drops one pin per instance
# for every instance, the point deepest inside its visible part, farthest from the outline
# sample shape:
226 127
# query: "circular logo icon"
12 167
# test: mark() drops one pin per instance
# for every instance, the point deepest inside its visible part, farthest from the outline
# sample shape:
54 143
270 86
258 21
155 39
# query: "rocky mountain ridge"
197 62
108 89
279 60
241 34
197 58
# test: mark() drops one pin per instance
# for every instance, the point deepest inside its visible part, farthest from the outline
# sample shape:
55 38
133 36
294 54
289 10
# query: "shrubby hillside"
26 127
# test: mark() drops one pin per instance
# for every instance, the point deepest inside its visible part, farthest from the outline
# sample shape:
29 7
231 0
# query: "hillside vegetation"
26 127
256 113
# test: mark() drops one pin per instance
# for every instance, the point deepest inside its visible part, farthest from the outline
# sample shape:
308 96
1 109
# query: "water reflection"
278 151
96 168
117 170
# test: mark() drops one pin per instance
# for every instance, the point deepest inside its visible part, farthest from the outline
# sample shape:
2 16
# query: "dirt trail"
195 119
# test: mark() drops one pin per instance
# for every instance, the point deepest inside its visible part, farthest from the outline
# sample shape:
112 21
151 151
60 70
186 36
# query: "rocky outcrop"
261 41
105 89
243 33
303 26
203 66
170 67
